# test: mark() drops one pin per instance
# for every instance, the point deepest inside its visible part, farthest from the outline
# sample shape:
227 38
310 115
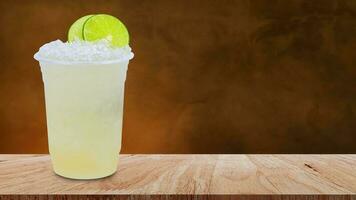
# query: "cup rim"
61 62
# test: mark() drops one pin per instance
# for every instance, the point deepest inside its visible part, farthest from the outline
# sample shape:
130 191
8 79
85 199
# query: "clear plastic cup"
84 107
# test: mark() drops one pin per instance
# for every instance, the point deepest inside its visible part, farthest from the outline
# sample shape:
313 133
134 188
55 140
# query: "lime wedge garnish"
106 27
76 30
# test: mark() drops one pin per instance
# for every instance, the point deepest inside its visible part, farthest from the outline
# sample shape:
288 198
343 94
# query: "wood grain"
7 157
190 175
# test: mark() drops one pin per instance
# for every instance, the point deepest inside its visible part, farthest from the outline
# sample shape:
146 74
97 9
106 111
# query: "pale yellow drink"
84 106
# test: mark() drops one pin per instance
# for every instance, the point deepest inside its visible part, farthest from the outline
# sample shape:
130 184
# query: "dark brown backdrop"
242 76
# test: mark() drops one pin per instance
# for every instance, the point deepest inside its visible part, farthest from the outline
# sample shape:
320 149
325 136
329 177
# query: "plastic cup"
84 108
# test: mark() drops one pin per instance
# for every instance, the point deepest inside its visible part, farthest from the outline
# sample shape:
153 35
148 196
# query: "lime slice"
76 30
107 27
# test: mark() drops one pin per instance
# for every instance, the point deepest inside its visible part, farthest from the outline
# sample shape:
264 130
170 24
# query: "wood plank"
191 175
179 197
7 157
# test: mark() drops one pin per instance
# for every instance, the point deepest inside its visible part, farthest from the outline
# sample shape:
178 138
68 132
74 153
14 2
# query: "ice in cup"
84 85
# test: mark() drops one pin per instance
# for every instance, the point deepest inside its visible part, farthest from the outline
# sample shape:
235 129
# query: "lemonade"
84 105
84 92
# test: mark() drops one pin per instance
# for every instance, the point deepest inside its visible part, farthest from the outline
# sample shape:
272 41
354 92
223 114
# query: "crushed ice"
82 52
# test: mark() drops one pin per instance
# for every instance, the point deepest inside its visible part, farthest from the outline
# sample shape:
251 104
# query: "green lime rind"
76 30
103 26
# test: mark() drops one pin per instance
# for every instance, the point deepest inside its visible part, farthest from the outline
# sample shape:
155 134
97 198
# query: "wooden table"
191 176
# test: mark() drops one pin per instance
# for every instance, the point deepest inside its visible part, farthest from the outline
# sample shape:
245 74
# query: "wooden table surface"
190 175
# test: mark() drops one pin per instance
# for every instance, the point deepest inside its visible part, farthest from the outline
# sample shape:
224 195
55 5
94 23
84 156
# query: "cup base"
84 177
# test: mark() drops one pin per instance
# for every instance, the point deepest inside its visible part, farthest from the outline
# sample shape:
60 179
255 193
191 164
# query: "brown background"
242 76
